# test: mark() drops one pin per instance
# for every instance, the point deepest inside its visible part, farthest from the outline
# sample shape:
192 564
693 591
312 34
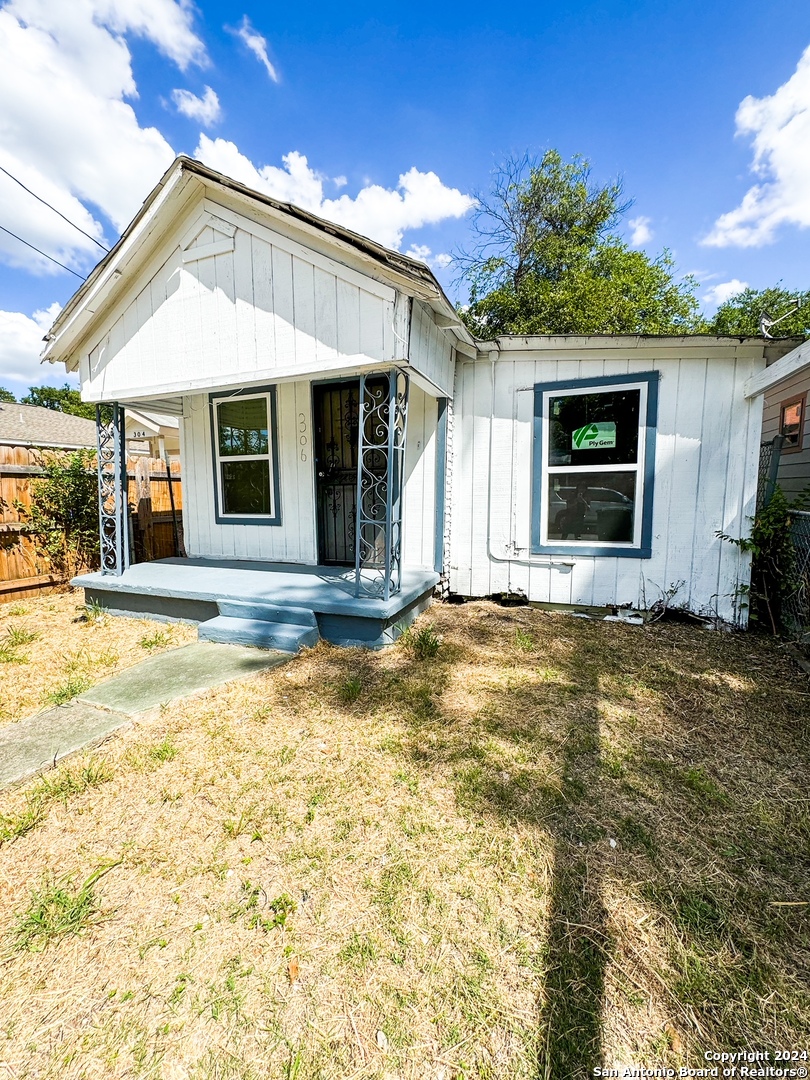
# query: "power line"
59 212
44 254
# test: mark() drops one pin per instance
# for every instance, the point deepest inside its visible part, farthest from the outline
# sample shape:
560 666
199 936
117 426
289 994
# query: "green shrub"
63 516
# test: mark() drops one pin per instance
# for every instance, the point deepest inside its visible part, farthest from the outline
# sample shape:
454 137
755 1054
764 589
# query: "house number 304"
302 435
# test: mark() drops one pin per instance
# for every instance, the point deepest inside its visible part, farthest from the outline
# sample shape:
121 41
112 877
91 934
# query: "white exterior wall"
419 506
705 479
431 349
295 540
266 309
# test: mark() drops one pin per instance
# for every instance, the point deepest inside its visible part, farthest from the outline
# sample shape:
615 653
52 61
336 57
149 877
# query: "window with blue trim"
594 466
243 428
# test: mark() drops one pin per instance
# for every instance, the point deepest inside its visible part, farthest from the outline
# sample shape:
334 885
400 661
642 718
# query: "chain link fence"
796 603
769 454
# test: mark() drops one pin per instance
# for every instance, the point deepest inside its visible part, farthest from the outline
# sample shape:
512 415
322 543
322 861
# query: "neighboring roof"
97 289
158 423
32 425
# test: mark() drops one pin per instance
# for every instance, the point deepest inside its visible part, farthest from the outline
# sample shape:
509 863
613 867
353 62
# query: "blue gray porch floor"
192 588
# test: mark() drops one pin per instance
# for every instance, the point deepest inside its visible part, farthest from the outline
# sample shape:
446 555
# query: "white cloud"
423 253
642 233
66 129
722 291
384 214
165 23
779 126
20 347
206 109
29 219
257 45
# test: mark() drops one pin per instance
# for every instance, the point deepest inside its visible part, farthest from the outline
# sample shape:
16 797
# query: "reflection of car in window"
595 510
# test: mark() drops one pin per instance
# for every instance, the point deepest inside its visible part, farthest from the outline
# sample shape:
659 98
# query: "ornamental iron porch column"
112 489
380 461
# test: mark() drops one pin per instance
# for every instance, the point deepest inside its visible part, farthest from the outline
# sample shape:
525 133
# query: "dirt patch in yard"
52 648
552 845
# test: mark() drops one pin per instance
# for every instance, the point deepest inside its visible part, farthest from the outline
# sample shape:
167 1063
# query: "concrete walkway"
40 741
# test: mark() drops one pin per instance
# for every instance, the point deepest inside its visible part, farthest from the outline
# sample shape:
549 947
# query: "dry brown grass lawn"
50 650
556 844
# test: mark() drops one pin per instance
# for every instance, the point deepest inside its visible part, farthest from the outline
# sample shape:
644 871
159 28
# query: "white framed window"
594 465
245 454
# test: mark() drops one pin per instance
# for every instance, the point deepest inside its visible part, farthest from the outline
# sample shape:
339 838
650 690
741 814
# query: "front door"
336 414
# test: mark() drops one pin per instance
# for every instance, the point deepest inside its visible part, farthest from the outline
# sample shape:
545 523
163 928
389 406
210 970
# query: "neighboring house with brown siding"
785 414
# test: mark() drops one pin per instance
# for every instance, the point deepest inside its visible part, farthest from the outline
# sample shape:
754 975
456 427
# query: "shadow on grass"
672 742
562 799
577 945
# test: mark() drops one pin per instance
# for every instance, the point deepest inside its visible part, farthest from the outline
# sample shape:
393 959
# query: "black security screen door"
336 410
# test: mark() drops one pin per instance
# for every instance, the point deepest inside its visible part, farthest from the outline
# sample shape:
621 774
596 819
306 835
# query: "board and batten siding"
295 539
430 349
268 308
794 465
706 457
419 494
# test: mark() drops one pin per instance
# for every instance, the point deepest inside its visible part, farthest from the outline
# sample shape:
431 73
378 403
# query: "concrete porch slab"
322 589
201 590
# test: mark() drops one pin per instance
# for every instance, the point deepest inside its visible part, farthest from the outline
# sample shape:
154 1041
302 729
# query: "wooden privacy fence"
153 534
155 505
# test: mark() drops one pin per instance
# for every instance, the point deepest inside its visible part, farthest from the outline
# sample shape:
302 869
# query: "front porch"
269 604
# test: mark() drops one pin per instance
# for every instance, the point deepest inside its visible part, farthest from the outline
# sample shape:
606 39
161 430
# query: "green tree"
62 399
544 259
740 315
6 395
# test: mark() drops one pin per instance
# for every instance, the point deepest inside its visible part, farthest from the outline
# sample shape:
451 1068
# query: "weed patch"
260 912
62 785
165 750
157 639
17 636
69 689
349 690
57 908
423 643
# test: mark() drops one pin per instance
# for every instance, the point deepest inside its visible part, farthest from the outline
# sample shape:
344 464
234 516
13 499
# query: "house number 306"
302 435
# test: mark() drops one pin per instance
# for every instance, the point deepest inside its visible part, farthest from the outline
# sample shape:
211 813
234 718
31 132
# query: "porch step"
249 609
260 633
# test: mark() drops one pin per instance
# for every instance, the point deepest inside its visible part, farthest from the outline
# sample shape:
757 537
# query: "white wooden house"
346 445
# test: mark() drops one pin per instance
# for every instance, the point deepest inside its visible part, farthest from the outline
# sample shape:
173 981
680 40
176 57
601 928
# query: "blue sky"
703 109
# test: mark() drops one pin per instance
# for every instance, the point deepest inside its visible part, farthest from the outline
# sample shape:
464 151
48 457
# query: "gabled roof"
409 275
32 425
